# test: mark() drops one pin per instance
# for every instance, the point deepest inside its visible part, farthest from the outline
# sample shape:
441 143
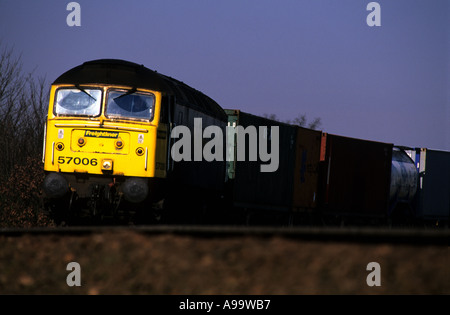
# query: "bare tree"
23 103
300 120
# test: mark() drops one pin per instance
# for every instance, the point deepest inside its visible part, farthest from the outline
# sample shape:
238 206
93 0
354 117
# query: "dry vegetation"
23 105
21 202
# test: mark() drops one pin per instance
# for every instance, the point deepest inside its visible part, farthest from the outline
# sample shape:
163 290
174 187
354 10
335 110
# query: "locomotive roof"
121 72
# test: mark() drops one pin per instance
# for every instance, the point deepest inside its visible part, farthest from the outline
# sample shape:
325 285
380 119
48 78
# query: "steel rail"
411 236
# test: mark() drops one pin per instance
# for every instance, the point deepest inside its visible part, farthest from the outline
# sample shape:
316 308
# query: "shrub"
21 196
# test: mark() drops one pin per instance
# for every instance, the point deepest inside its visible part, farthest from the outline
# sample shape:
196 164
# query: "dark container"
306 170
355 176
434 184
252 187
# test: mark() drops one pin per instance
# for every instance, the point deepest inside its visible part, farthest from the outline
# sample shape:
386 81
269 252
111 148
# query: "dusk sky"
387 83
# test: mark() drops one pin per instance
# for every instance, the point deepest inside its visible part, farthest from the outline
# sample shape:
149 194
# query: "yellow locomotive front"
103 143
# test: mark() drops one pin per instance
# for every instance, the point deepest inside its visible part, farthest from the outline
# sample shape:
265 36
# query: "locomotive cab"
104 143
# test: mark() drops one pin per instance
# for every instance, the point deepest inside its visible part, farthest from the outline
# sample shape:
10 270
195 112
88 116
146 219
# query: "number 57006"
77 160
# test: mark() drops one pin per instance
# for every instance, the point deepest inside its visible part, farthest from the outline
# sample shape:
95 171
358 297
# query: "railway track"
413 236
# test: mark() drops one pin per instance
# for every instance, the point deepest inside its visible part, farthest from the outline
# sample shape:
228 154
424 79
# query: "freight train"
112 147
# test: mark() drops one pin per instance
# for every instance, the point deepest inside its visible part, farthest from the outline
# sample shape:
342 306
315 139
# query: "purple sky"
315 57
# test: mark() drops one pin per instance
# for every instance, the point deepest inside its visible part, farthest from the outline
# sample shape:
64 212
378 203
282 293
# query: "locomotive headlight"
60 146
119 144
107 165
81 141
139 151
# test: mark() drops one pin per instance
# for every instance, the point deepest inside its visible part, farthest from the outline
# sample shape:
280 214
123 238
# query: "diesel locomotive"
107 140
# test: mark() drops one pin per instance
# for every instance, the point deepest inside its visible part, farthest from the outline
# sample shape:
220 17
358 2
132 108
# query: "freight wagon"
355 177
250 187
433 196
293 189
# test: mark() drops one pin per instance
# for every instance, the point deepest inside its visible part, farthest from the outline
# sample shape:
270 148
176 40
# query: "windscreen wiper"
132 91
84 91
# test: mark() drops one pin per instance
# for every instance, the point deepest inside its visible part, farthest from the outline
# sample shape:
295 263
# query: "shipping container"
306 171
434 184
253 186
355 176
